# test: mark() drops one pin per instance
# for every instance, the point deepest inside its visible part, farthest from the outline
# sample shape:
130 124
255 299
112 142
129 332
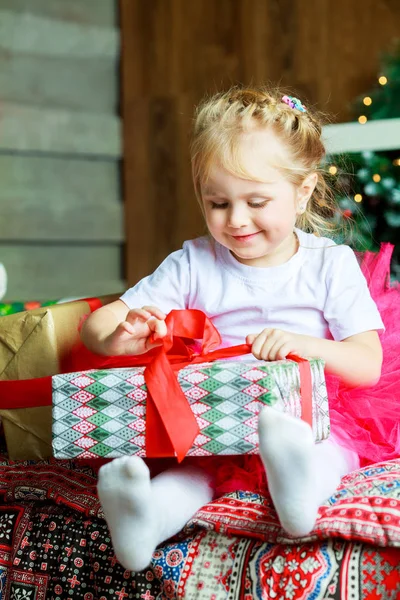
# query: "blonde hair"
221 119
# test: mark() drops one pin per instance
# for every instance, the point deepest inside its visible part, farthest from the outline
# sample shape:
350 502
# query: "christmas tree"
367 184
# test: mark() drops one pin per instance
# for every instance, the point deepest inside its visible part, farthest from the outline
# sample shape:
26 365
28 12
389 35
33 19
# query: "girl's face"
253 219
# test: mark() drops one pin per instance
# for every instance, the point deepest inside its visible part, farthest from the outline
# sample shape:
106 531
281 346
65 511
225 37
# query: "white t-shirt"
320 291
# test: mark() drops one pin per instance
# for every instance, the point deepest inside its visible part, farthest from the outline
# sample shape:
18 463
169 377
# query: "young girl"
260 277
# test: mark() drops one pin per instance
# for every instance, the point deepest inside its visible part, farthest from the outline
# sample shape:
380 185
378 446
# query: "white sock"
301 474
141 513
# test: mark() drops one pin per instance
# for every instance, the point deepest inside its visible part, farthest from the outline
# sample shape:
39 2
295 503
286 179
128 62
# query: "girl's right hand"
132 336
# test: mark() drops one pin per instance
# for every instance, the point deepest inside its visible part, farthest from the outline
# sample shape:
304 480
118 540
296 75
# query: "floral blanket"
54 543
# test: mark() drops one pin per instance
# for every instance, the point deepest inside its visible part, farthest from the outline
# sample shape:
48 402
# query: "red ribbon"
171 424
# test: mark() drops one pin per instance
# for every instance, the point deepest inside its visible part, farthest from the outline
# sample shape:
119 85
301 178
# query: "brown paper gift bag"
32 344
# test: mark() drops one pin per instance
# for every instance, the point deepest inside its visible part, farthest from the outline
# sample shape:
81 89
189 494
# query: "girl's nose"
238 217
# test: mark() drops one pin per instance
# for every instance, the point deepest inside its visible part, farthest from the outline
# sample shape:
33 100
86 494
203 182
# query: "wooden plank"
89 12
354 137
59 200
89 84
161 85
38 35
27 128
45 272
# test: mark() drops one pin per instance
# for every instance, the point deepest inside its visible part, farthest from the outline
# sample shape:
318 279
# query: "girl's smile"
249 237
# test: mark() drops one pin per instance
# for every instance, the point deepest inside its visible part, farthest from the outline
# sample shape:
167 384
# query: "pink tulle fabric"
366 420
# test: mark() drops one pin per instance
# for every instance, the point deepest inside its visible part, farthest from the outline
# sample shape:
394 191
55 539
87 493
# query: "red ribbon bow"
171 426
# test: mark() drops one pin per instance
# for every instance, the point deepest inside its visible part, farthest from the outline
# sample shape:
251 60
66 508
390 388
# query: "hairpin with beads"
294 103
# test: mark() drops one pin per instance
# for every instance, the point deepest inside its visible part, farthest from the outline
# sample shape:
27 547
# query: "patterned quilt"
54 543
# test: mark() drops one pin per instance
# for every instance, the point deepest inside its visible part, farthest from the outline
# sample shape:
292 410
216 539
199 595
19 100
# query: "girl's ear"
305 191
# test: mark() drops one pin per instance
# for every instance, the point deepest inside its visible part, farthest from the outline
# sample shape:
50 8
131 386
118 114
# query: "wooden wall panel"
61 231
175 51
88 12
37 129
44 272
46 81
32 128
59 200
40 35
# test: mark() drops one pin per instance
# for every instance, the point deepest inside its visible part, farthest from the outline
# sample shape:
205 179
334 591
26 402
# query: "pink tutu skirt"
365 420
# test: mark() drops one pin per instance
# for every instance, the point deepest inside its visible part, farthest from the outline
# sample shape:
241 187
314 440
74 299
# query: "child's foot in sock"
288 452
126 497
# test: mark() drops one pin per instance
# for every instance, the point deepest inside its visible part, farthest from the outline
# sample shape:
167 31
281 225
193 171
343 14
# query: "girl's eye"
216 205
219 205
258 204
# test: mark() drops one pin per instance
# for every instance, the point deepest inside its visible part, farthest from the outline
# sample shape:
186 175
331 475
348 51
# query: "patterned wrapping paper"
103 413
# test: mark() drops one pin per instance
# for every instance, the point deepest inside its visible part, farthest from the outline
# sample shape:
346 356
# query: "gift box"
104 413
33 344
10 308
161 403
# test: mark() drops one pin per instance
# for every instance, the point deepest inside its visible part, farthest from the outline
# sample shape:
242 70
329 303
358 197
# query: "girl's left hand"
275 344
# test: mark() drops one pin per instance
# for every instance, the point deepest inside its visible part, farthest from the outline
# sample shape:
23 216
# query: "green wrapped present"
103 413
12 308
